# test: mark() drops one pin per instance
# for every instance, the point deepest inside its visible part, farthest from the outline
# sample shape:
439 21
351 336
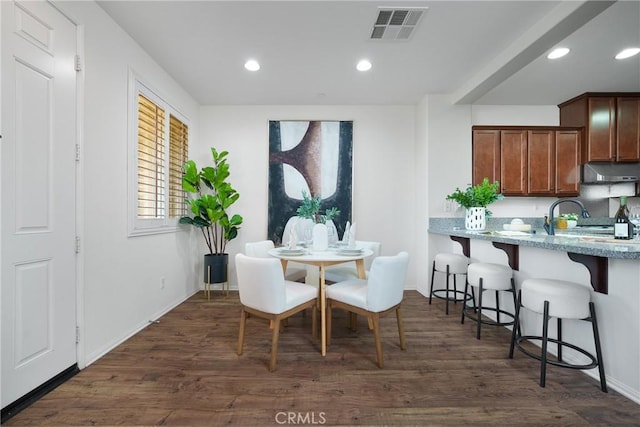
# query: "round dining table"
322 260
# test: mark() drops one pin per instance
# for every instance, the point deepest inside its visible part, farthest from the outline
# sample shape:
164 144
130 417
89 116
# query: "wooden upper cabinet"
530 161
485 156
628 129
513 157
611 122
541 155
601 129
567 162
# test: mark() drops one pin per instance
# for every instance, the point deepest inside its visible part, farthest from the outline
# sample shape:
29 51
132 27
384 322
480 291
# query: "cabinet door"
567 159
486 156
601 129
513 154
628 129
541 162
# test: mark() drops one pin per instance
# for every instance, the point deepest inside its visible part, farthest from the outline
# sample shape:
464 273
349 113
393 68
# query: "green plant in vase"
310 209
475 199
478 196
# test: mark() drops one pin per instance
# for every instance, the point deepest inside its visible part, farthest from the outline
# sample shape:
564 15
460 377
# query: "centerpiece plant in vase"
309 211
212 196
475 199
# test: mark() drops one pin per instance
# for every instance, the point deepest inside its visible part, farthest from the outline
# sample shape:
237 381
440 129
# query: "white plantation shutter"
159 145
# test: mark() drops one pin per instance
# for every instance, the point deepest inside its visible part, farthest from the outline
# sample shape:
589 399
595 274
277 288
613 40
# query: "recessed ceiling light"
628 53
558 53
252 65
363 65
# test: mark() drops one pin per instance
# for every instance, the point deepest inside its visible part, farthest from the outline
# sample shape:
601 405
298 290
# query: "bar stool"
562 300
487 276
449 264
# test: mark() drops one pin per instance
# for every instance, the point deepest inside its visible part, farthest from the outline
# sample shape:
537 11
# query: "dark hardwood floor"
184 371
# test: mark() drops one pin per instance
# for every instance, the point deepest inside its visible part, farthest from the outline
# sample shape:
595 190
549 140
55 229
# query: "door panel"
628 129
541 158
38 170
486 156
513 157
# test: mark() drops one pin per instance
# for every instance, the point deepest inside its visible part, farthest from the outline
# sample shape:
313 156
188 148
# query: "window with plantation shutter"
178 150
151 176
159 144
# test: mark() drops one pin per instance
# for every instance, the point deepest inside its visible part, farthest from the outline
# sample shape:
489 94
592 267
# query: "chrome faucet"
548 219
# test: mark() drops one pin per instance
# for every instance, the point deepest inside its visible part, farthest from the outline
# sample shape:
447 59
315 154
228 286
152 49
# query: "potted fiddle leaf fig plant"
212 196
475 200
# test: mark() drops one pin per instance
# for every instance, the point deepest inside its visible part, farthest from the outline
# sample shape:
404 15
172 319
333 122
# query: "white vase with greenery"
475 200
309 210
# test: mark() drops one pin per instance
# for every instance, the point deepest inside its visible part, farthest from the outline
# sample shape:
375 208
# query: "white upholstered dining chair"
260 249
381 293
265 293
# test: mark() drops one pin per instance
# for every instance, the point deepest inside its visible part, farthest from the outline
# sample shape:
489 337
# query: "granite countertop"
586 240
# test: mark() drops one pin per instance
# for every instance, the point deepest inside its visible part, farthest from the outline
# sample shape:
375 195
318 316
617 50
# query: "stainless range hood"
607 173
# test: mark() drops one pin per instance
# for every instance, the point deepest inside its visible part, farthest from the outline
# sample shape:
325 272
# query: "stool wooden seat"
562 300
487 276
449 264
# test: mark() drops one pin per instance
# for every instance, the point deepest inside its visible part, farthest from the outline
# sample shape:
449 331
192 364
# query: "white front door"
38 216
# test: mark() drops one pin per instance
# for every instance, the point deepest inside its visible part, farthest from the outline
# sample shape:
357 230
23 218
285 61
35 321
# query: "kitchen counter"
584 242
587 247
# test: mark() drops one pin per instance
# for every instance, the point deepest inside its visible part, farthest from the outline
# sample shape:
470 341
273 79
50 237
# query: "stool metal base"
558 362
437 292
491 322
517 338
479 308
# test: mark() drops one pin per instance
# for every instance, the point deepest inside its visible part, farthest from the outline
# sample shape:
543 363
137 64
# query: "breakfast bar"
591 250
610 267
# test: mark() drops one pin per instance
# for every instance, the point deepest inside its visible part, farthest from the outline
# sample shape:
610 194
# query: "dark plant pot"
215 268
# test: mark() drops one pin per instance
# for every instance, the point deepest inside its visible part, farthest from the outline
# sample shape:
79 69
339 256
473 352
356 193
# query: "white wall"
383 168
121 276
422 181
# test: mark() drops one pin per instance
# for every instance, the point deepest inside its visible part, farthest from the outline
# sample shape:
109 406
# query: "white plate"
346 251
291 252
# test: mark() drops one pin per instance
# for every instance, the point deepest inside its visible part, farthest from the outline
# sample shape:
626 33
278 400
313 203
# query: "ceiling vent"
396 23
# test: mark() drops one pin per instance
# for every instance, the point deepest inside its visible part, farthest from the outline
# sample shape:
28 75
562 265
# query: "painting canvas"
310 156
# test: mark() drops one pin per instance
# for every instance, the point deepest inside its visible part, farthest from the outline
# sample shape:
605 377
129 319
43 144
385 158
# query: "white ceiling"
482 52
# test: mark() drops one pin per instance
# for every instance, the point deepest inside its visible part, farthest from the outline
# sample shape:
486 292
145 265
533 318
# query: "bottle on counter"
622 228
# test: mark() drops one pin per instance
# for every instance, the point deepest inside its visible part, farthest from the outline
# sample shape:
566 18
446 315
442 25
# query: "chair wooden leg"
274 343
400 329
314 324
375 320
328 320
352 321
243 321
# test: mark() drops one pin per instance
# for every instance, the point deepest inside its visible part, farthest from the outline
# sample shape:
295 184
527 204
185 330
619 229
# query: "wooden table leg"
362 273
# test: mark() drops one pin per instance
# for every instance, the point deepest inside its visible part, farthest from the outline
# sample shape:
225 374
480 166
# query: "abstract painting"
314 157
